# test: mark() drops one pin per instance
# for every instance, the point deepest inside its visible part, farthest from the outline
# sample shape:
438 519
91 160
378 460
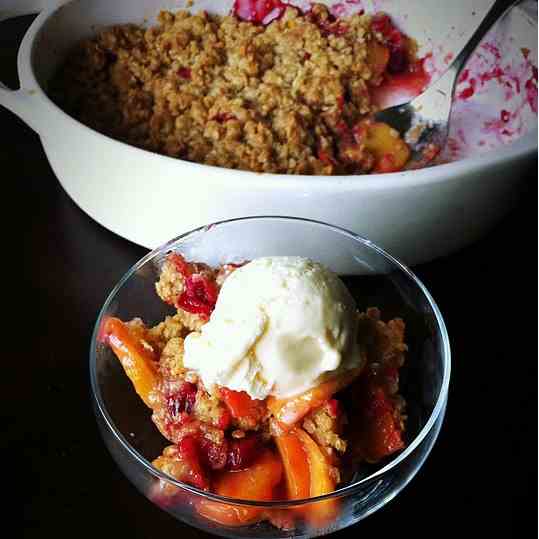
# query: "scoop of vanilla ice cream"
280 324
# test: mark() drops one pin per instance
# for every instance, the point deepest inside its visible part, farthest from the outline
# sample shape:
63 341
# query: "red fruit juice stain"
342 9
531 94
448 57
469 91
495 73
493 49
258 11
516 80
464 75
531 90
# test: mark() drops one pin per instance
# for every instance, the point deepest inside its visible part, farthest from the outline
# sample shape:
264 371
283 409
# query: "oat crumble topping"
281 98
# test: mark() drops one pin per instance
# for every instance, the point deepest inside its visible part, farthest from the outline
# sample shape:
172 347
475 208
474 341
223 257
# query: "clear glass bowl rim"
343 491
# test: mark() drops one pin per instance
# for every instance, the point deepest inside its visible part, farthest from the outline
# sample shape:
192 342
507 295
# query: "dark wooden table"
479 476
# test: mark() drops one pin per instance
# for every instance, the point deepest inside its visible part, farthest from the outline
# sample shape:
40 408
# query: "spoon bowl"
424 121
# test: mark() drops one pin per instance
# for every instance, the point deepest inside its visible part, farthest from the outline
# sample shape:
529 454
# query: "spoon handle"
496 12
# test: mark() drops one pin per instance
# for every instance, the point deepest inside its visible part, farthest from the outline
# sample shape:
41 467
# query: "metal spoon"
424 121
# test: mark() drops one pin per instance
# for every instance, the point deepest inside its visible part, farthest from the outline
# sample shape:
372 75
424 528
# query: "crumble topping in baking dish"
286 93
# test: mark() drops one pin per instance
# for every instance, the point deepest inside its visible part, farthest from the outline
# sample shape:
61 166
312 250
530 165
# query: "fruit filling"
262 432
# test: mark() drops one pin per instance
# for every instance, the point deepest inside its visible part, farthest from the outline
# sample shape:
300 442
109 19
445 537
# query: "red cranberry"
329 25
192 471
224 419
184 73
200 292
199 296
188 447
181 264
182 401
213 455
332 28
396 39
379 403
381 24
223 117
325 157
242 452
333 407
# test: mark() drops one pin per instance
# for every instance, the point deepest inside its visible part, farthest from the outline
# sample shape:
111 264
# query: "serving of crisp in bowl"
253 384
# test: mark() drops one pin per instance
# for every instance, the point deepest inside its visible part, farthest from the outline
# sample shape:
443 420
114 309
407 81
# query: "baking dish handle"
18 101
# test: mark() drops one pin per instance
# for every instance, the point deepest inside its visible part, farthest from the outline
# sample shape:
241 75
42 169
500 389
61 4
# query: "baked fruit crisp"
266 89
285 445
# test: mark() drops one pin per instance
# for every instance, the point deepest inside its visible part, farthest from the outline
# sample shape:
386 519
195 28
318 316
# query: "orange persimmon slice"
391 153
241 405
289 411
319 514
254 483
295 464
138 360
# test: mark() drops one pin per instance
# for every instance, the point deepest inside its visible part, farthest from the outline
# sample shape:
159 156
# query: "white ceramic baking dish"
148 198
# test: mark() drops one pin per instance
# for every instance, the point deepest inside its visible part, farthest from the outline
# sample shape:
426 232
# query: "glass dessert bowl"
374 279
